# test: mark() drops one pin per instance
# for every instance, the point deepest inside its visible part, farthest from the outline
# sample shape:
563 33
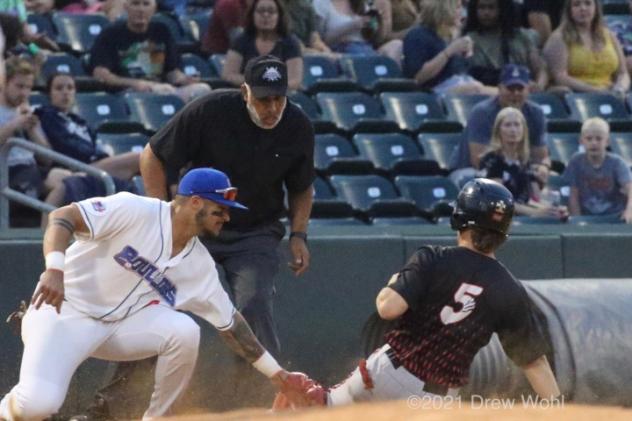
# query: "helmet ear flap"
457 221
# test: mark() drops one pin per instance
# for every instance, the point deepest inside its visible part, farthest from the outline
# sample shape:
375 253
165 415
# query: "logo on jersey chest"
130 260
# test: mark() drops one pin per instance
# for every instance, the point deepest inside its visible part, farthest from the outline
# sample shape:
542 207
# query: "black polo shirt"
216 131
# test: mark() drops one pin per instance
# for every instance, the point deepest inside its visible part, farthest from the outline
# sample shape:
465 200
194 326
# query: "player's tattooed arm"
241 340
64 223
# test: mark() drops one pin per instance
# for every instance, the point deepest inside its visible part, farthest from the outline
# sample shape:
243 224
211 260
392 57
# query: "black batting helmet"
483 203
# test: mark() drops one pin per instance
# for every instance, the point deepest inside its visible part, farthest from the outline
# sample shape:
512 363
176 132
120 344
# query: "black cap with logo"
266 76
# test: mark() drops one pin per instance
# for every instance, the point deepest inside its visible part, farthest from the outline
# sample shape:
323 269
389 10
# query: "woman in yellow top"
583 55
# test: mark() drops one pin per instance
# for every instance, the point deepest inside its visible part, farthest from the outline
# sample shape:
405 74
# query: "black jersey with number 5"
457 298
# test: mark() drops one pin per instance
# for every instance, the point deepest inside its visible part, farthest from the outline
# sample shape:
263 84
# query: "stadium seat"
459 106
139 186
217 62
615 7
152 110
194 65
61 63
606 106
354 111
310 107
621 144
557 116
415 111
77 32
376 73
320 74
105 112
326 204
66 63
393 153
372 195
562 146
37 99
41 24
439 147
430 194
333 154
182 39
115 144
559 183
194 24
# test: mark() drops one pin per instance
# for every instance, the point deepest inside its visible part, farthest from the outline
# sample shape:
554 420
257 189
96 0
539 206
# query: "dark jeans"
250 261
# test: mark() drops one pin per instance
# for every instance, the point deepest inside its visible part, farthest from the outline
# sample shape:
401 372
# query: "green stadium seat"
354 112
417 111
393 153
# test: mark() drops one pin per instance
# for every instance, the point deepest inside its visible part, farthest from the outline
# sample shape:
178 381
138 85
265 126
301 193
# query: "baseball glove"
299 391
15 319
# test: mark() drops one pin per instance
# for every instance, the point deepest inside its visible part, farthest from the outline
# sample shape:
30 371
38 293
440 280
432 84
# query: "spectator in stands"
113 9
39 7
141 55
436 56
513 91
623 30
542 16
17 120
396 19
498 41
266 33
508 163
69 134
345 27
225 24
583 55
35 41
600 181
302 22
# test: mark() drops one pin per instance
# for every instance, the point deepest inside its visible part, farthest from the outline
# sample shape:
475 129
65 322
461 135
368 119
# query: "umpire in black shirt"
264 143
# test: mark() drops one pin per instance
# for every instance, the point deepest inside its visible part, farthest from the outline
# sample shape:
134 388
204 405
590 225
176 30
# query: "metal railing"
7 193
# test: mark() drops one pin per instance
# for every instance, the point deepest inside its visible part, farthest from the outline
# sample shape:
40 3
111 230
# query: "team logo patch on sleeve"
98 206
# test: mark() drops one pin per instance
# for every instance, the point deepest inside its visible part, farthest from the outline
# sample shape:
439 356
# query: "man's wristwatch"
299 234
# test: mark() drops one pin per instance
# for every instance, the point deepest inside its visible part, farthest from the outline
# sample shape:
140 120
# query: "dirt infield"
400 411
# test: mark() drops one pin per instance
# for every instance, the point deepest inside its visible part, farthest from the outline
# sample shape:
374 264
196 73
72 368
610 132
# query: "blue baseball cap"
515 74
209 184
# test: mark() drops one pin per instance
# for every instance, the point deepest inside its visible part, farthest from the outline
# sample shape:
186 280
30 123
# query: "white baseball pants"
56 344
389 383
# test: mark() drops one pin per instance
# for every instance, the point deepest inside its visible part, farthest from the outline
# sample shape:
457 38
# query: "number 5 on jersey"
464 295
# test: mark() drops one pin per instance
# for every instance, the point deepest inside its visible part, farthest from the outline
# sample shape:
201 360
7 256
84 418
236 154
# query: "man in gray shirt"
513 91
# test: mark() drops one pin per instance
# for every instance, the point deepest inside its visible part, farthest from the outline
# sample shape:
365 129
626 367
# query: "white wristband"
267 365
55 260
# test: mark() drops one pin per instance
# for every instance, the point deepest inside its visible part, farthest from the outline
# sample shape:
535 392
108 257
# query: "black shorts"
80 187
27 179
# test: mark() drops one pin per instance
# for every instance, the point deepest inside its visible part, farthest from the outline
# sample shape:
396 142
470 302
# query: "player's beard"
257 120
199 222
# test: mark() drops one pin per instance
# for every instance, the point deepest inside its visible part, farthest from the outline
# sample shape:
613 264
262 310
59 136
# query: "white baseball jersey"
125 264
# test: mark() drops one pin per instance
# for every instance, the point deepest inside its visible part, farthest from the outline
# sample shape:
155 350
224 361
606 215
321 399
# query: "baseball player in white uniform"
113 294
